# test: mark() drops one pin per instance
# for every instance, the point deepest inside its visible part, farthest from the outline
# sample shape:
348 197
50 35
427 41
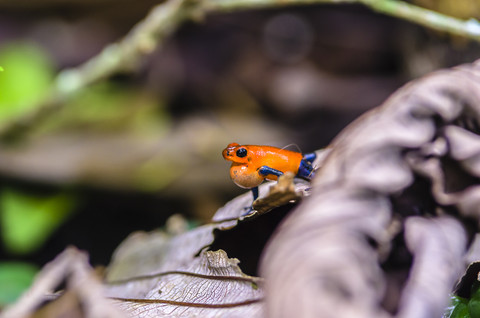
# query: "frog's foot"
248 210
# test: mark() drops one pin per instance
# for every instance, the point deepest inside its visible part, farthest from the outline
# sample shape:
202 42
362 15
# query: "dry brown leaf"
281 193
157 275
212 285
386 227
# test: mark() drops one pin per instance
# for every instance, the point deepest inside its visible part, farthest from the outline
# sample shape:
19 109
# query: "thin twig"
427 18
165 18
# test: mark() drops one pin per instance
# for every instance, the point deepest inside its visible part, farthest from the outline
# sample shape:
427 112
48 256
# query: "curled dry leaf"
281 193
386 228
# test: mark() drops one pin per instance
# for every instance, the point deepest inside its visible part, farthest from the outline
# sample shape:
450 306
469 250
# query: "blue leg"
255 193
266 170
310 157
306 170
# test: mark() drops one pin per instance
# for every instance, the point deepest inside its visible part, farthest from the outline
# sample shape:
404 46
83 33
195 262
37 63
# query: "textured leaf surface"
211 286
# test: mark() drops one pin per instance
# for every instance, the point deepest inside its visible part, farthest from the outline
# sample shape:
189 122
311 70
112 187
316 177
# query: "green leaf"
15 278
459 308
1 69
474 302
27 221
29 76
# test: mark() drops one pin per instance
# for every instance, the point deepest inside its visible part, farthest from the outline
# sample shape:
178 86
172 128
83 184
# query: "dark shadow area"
469 280
416 200
247 240
396 271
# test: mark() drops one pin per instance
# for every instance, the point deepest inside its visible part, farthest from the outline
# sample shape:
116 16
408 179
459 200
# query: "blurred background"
126 153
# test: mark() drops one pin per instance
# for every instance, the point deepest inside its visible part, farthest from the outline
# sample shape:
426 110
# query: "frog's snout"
225 153
229 152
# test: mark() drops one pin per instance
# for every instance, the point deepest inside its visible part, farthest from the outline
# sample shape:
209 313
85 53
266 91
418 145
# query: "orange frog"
251 165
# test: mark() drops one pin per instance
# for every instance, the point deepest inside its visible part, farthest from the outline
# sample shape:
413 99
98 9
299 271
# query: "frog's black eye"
242 152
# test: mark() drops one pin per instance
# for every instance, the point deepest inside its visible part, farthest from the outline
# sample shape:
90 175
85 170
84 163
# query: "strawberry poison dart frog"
251 165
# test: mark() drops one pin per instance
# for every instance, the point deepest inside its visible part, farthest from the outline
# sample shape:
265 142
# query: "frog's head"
235 153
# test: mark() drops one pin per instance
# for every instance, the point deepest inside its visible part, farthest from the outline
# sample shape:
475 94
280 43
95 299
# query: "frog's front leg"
266 170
